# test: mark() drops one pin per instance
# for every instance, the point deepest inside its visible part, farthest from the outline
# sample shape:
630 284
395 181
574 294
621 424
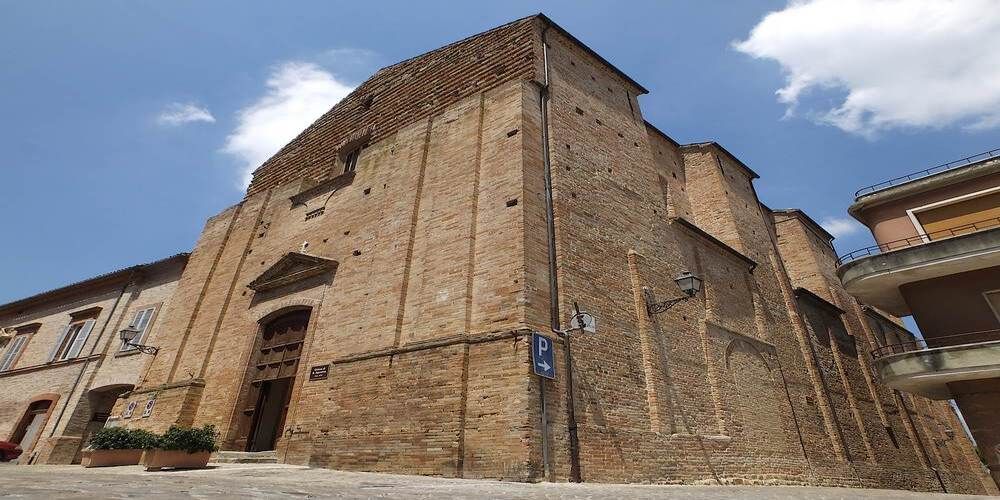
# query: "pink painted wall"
889 221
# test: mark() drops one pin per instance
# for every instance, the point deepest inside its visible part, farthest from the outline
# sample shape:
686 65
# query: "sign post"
542 362
543 365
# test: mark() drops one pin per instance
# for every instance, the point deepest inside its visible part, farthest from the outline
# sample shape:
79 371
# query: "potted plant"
113 446
181 448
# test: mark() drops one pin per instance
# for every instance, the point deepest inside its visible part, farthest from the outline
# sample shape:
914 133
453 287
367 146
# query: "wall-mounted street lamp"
128 335
689 285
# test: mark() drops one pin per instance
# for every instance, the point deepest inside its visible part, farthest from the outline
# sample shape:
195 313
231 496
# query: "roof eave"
100 280
753 175
592 52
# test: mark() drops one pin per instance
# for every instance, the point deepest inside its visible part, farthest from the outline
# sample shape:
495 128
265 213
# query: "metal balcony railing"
920 239
927 172
959 339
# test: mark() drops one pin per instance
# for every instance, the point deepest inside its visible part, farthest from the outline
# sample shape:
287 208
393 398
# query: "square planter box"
110 458
155 460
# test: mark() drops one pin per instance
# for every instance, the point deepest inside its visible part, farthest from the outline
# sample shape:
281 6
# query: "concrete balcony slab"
927 372
875 280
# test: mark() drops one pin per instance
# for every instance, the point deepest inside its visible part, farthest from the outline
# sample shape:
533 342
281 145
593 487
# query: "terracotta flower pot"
177 459
110 458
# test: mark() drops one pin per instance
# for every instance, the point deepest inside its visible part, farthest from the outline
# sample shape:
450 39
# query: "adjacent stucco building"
937 258
368 304
62 363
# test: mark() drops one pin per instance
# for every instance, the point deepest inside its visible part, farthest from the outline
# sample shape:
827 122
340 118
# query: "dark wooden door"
269 381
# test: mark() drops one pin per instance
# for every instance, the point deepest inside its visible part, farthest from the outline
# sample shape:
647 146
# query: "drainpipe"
93 347
574 442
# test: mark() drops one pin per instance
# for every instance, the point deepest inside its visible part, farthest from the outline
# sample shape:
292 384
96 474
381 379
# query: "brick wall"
442 269
403 94
920 426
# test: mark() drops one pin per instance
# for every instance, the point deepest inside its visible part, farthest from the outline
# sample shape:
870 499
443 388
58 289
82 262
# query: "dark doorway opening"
270 379
92 413
271 408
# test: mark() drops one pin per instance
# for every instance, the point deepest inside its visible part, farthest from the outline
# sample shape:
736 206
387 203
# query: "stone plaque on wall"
319 372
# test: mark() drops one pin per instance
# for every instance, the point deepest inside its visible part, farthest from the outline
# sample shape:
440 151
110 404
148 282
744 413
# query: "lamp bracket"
145 349
653 307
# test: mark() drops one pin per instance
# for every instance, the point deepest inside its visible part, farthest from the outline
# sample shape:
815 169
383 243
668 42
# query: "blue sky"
126 124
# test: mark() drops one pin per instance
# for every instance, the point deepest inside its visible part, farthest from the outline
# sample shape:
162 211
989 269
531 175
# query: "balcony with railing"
959 339
927 366
920 239
927 172
876 274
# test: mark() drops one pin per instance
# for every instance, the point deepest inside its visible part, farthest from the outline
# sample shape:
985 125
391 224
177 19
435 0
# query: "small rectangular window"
16 346
351 160
140 321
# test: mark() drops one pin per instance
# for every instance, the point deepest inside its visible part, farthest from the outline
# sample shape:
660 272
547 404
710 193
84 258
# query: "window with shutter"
72 340
81 338
140 321
16 346
60 343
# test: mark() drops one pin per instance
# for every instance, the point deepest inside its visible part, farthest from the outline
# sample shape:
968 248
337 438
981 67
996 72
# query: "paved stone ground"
287 481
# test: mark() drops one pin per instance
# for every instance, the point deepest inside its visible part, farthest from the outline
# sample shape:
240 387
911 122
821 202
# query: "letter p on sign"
542 362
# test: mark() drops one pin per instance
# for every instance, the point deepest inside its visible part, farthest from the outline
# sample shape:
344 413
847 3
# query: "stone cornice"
55 364
294 266
195 382
331 184
826 304
712 239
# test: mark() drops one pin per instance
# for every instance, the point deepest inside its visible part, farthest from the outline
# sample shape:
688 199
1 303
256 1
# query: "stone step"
245 457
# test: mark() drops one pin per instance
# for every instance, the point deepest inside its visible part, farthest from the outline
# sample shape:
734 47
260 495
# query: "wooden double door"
269 381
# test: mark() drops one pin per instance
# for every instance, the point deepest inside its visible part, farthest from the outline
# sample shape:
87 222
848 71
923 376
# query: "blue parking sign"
541 356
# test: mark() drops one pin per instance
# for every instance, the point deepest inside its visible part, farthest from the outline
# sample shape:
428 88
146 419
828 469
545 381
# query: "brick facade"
438 271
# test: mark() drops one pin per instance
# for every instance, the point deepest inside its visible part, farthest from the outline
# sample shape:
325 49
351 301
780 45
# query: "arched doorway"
270 377
95 410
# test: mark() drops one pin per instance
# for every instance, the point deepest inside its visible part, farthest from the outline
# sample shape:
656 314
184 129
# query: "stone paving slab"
282 481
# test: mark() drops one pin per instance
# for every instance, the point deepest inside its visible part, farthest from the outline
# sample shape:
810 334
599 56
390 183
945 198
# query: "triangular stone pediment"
294 266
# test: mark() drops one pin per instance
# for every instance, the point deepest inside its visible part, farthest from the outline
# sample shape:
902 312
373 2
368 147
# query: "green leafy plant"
120 438
191 440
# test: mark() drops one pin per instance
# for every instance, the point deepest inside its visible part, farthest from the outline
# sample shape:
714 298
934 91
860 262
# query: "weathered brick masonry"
425 269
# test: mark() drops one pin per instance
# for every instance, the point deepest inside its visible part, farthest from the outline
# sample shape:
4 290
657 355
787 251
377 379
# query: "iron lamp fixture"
689 285
129 334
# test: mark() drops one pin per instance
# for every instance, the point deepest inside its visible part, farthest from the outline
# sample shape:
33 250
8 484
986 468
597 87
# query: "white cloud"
178 113
840 226
901 63
297 94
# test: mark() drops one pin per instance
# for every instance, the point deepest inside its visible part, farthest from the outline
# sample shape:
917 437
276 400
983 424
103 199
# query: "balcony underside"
875 280
927 372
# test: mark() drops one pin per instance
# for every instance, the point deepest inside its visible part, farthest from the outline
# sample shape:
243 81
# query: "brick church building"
368 305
